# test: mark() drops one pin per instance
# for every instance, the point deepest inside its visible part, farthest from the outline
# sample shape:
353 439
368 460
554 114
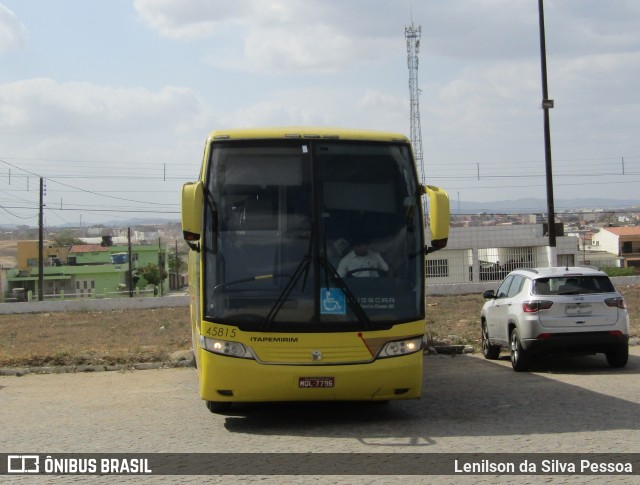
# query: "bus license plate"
315 382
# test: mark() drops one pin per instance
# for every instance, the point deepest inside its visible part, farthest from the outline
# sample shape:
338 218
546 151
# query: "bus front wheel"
218 407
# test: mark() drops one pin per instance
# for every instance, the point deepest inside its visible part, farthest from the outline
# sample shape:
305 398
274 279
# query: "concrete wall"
90 304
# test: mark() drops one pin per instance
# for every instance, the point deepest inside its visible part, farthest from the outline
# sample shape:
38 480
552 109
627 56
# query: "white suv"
552 310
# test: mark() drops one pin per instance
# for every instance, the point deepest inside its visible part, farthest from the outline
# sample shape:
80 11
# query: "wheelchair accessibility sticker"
332 301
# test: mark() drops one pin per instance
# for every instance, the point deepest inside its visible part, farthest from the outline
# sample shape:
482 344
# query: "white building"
475 254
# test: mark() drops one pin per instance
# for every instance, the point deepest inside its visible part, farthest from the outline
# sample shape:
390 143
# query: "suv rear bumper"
583 342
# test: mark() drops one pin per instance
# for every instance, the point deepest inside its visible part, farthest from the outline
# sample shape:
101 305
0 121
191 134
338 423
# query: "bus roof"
306 132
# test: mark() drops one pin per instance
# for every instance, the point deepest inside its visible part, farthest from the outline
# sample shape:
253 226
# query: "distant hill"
140 222
540 205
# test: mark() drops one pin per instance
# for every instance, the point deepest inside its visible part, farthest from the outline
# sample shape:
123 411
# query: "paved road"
572 405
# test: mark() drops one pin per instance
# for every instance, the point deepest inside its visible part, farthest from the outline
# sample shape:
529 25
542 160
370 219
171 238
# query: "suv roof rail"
529 269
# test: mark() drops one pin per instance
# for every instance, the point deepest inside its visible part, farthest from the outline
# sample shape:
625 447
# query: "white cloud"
375 99
278 36
612 76
13 35
270 113
42 118
383 110
591 27
192 19
484 30
480 100
44 105
323 62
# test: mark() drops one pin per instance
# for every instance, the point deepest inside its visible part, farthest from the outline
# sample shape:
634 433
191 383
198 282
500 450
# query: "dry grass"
132 336
107 337
454 319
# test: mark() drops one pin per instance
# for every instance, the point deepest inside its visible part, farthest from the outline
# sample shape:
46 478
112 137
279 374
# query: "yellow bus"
307 265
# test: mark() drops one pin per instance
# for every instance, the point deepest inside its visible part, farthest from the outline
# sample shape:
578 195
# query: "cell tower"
412 34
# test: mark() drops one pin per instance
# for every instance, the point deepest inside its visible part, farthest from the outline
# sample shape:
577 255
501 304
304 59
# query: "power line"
15 215
627 165
81 189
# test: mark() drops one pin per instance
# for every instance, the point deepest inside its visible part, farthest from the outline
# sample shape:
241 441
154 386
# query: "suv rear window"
572 285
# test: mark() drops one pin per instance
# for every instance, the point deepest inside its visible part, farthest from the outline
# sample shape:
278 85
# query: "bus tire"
217 407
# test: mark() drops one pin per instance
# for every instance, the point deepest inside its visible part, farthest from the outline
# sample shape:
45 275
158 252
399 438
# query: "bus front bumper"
228 379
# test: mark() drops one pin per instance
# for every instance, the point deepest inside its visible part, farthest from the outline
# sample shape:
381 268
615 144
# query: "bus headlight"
224 347
401 347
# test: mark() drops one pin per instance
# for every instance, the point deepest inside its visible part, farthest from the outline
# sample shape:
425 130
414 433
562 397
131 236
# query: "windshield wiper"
303 268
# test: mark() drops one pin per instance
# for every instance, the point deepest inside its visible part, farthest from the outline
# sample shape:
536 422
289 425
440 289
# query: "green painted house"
90 270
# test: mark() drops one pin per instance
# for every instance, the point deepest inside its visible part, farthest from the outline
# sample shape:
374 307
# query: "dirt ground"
91 337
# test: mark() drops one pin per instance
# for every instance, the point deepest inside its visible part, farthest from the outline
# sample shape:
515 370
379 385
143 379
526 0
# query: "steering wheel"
381 272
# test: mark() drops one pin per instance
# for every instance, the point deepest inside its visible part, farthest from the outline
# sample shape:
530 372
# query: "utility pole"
177 266
547 104
41 243
130 272
161 263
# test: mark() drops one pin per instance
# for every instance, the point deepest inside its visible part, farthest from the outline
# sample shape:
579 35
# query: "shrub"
614 271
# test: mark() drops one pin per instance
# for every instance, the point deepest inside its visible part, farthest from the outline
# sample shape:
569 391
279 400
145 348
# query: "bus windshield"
312 235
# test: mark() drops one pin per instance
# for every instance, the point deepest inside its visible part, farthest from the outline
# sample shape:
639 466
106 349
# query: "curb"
73 369
68 369
450 349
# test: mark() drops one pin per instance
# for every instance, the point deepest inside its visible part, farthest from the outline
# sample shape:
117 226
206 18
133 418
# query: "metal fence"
29 296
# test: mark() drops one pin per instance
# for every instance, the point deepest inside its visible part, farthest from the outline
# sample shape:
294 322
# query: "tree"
153 274
65 238
176 263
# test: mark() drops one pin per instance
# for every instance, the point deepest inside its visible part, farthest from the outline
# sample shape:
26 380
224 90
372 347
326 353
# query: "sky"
110 101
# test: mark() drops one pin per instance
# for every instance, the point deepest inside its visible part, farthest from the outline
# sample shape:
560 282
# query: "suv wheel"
520 358
618 357
491 352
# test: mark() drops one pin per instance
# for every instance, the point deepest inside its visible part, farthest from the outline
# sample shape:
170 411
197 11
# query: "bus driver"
362 261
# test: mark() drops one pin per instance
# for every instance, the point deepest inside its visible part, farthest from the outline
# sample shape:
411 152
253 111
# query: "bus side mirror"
439 216
192 205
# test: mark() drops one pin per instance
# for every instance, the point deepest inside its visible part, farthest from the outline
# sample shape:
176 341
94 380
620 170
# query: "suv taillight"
616 302
532 306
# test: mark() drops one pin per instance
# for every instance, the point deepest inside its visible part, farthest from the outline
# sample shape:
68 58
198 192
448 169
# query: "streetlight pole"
547 104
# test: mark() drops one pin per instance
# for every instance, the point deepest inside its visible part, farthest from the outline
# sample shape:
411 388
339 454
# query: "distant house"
623 242
83 270
27 254
88 254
